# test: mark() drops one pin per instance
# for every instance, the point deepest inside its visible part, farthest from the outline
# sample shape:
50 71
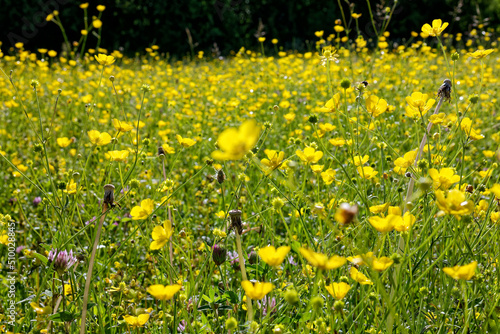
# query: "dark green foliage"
132 25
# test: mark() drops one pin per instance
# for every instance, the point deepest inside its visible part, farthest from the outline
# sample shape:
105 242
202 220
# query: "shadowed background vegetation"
226 25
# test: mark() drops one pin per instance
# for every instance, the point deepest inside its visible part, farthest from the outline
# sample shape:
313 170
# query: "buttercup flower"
309 155
136 322
322 261
104 59
444 178
257 290
454 203
465 272
272 256
163 292
235 143
478 54
99 138
436 29
359 277
338 290
185 142
161 235
144 210
375 105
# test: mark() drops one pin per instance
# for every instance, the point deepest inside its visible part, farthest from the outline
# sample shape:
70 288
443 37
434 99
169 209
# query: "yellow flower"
84 5
444 178
385 224
466 126
338 290
478 54
97 23
436 29
437 118
356 16
101 8
328 176
272 256
379 208
418 105
319 33
381 264
455 203
465 272
71 188
185 142
405 223
136 322
261 39
39 309
104 60
117 155
317 168
143 211
407 160
309 155
64 141
274 159
331 105
161 235
98 138
496 190
360 160
122 126
322 261
162 292
256 291
235 143
52 53
359 277
375 105
366 172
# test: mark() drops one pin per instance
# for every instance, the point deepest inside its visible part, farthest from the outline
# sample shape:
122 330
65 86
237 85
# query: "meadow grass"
369 178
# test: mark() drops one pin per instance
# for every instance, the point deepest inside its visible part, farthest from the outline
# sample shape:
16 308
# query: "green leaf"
41 258
62 317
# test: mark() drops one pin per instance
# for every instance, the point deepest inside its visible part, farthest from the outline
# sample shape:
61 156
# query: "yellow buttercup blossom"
120 156
454 203
328 176
379 208
385 224
444 178
331 105
496 190
375 105
478 54
122 126
235 143
360 160
418 105
274 159
338 290
407 160
272 256
366 172
381 263
437 118
317 168
404 224
359 277
466 126
64 141
70 187
97 23
161 235
437 28
144 210
136 322
99 138
257 290
104 59
322 261
465 272
163 292
185 142
309 155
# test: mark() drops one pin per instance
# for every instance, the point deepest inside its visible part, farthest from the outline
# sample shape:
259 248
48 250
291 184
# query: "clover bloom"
136 322
444 178
272 256
309 155
338 290
257 290
99 138
436 29
375 105
62 260
103 59
322 261
461 272
455 203
143 211
235 143
161 235
163 292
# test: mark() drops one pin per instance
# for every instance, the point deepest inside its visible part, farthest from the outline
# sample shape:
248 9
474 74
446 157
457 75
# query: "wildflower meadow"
349 188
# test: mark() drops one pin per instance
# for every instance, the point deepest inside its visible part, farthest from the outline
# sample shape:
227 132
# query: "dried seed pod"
236 221
109 194
445 90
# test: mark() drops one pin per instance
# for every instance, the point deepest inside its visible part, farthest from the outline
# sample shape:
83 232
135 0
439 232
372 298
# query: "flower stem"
244 275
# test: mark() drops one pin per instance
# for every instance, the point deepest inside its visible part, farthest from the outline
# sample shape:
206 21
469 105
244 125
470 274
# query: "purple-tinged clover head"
62 260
